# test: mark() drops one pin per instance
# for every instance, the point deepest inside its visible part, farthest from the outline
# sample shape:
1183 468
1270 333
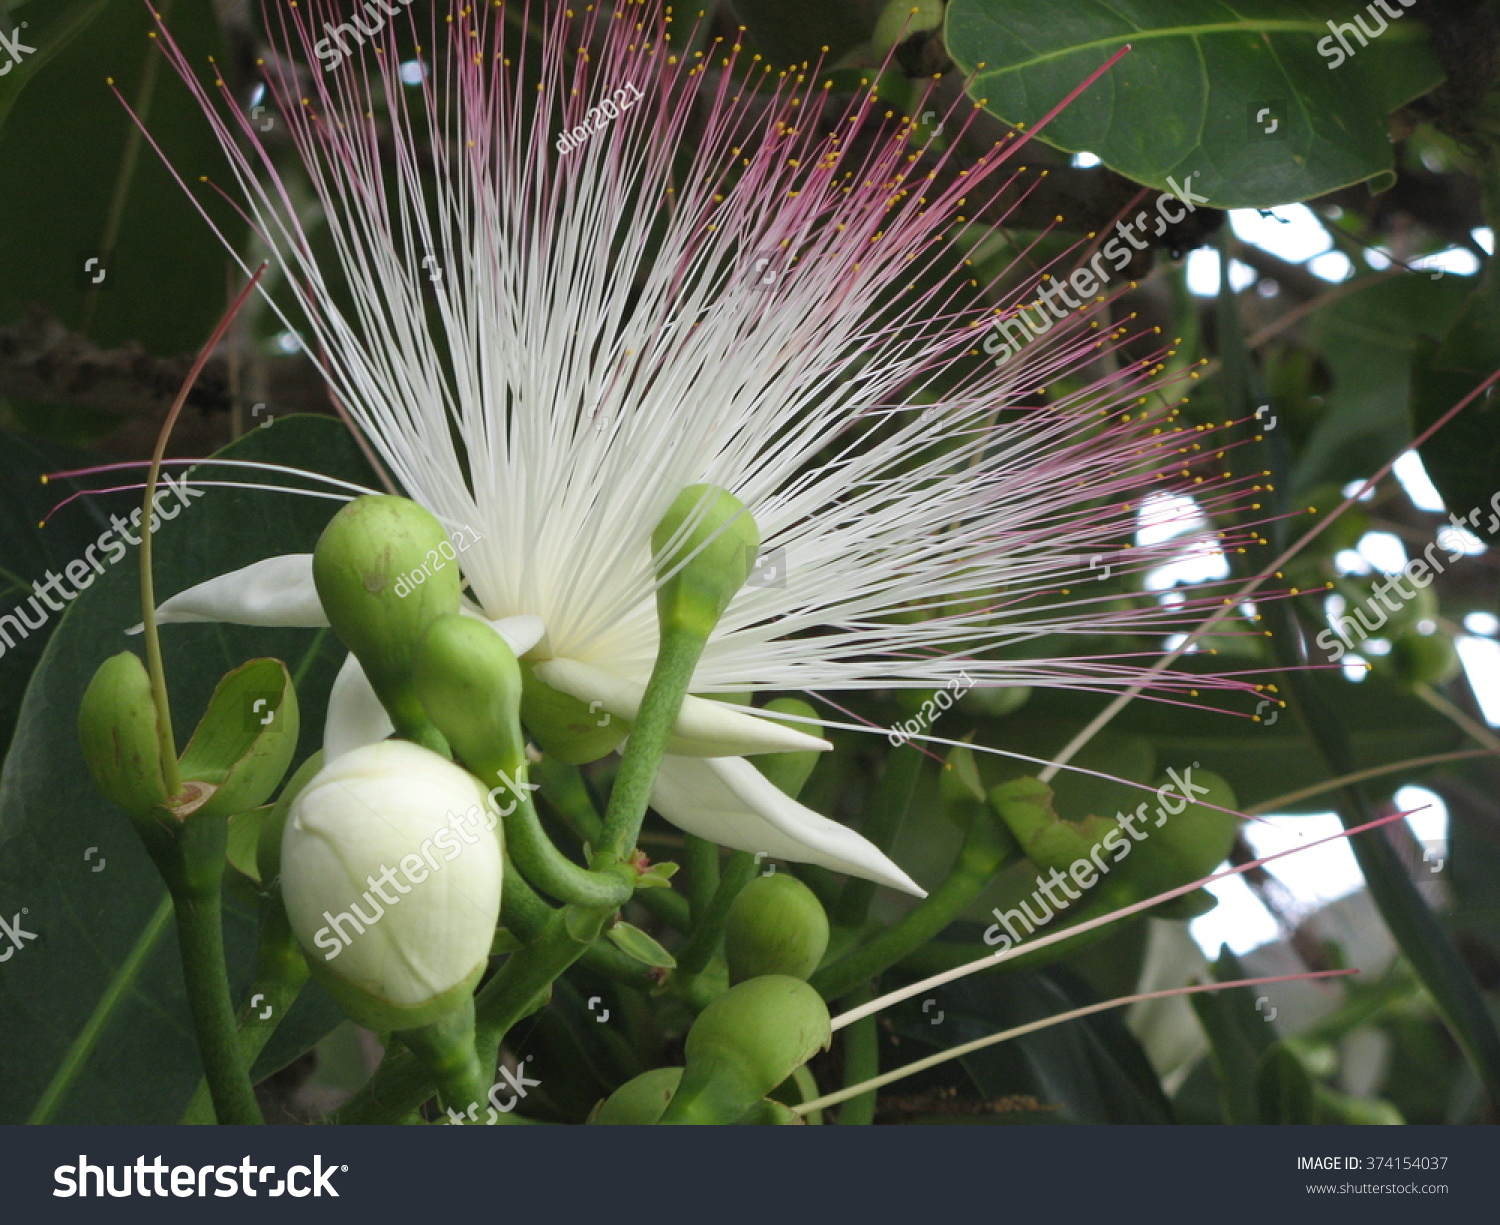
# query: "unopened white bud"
391 868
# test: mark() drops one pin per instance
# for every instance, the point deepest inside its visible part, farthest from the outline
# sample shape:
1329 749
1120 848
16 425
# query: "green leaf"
32 552
1185 99
1284 1092
51 26
1463 458
636 944
244 840
1091 1070
103 976
110 198
1239 1036
1370 340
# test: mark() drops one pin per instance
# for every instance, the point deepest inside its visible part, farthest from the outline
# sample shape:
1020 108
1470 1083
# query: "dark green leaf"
1186 97
97 1001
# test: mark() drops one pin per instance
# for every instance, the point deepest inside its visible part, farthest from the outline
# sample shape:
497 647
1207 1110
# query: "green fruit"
776 926
746 1043
1424 659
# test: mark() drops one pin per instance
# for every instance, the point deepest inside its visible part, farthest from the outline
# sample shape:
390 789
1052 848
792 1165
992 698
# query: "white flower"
391 870
545 348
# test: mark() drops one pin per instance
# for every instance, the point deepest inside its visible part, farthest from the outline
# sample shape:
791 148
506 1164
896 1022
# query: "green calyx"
776 926
375 1013
237 756
705 548
744 1044
366 567
469 683
640 1100
117 728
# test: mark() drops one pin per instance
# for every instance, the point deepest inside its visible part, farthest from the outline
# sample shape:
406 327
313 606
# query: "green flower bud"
1423 659
362 566
390 869
565 727
746 1043
776 926
470 685
640 1099
117 727
706 543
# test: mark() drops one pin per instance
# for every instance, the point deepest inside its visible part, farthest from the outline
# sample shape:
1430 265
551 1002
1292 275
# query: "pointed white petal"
355 716
520 633
729 801
704 728
276 591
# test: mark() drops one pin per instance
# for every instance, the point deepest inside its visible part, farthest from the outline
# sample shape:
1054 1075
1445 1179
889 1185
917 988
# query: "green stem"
898 782
196 887
676 658
281 972
401 1084
550 870
861 1060
708 931
984 853
669 907
526 914
525 981
703 875
447 1049
564 789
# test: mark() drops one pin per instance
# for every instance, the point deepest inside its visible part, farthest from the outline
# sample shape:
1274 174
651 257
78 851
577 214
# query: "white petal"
729 801
520 633
355 716
704 728
276 591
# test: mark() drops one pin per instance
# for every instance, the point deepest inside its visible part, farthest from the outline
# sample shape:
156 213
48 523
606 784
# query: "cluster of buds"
755 1036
